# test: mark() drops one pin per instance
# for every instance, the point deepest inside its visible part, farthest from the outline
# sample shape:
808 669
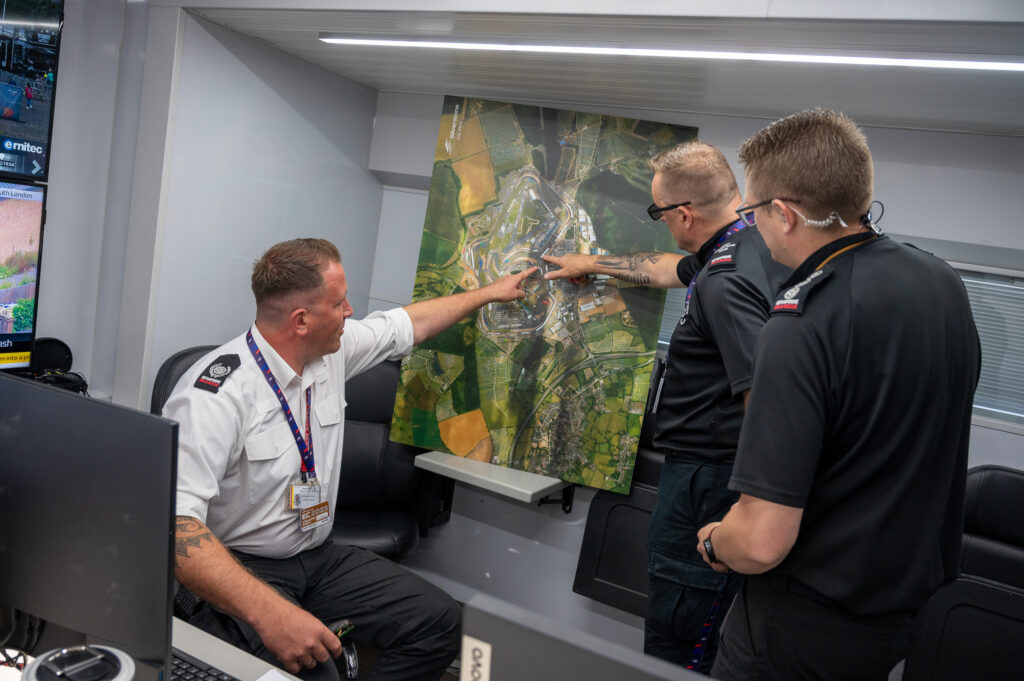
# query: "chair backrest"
171 371
376 474
994 525
973 628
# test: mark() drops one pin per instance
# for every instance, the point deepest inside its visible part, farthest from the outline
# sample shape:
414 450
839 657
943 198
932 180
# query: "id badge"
302 495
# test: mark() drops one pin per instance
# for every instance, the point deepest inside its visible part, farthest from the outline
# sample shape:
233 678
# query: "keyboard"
184 667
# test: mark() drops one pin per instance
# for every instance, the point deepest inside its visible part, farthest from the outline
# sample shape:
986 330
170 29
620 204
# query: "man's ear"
298 321
789 216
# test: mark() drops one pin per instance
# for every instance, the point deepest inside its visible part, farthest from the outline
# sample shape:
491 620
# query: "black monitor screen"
21 231
86 516
29 44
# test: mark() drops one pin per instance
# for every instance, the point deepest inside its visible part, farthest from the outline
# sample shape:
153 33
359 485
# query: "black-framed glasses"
746 213
655 211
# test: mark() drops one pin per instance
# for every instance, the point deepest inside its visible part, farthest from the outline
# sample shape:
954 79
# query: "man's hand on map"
574 267
510 287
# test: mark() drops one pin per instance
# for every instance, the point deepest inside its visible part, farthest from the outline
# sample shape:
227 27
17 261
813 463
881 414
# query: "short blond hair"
697 172
818 157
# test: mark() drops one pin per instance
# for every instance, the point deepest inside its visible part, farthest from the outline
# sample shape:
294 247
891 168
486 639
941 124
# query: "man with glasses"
729 282
851 465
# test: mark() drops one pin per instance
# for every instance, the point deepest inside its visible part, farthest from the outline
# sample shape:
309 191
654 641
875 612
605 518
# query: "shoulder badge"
793 299
723 259
220 369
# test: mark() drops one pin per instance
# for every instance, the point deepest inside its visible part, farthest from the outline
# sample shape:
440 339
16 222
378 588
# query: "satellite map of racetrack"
554 383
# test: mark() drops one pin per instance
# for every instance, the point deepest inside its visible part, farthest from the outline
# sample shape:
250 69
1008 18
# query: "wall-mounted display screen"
29 44
21 230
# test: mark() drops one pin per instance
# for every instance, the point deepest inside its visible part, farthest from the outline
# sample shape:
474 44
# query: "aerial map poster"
555 383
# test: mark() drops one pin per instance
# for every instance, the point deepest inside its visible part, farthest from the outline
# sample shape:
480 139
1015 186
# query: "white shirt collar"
282 372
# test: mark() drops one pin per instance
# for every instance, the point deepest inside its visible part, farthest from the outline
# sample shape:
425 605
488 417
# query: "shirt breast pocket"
270 465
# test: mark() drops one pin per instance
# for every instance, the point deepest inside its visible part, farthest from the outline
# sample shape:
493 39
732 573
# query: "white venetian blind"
998 305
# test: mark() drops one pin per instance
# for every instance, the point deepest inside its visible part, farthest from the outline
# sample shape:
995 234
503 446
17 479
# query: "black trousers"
682 587
772 633
413 623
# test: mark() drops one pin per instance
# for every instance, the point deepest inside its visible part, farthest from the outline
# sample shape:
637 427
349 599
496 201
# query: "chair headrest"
995 504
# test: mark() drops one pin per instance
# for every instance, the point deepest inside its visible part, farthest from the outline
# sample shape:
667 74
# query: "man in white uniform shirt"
261 427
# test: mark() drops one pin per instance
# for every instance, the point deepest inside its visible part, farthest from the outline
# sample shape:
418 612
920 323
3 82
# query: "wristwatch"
709 549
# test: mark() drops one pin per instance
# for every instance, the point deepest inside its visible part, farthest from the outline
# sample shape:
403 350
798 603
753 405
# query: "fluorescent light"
682 54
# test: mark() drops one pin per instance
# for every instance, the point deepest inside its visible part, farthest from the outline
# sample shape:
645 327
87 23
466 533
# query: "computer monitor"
22 211
503 642
29 48
87 517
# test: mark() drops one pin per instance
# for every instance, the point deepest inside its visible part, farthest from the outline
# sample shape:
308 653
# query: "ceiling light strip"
684 54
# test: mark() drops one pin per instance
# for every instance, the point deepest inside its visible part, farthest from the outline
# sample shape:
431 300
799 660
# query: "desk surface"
222 655
519 485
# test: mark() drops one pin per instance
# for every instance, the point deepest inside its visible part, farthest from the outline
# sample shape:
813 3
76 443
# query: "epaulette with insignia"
793 299
213 376
723 259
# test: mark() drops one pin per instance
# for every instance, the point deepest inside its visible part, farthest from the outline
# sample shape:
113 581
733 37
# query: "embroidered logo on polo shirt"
792 302
724 258
220 369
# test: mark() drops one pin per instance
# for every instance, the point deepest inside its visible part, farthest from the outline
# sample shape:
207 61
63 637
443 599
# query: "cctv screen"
21 229
29 39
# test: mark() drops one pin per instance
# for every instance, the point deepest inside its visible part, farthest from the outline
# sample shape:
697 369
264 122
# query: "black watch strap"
710 550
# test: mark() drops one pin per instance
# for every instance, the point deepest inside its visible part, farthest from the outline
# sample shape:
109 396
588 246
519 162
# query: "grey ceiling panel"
957 100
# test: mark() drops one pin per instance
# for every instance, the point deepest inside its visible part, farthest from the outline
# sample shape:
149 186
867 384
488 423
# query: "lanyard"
701 646
305 444
734 229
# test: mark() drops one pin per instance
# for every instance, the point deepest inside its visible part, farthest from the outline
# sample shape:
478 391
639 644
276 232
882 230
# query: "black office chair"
385 503
170 373
973 628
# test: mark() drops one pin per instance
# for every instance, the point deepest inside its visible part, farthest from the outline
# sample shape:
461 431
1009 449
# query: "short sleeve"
381 335
734 311
209 428
686 268
784 426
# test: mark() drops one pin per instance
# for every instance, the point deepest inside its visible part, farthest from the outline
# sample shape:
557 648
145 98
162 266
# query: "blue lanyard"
305 448
734 229
701 646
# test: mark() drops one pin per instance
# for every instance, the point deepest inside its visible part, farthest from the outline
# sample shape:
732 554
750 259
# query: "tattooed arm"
649 269
206 568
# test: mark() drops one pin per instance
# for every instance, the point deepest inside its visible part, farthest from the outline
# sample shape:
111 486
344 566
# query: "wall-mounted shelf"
519 485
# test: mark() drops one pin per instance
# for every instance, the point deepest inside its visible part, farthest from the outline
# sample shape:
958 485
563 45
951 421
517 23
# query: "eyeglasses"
746 213
655 211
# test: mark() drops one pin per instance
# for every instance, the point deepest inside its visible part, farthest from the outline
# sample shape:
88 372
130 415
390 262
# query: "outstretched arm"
431 317
650 269
206 568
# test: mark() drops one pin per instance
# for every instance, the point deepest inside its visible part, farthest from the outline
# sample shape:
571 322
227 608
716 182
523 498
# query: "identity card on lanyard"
305 493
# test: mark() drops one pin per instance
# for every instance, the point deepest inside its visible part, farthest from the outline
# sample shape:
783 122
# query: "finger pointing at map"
510 287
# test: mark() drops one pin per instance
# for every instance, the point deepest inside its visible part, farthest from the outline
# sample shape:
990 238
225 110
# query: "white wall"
84 109
265 147
240 146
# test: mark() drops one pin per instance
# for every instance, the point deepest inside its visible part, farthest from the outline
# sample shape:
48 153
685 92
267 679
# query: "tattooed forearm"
627 267
189 533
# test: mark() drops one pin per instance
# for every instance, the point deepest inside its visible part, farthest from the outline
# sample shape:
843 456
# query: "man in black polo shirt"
705 384
852 459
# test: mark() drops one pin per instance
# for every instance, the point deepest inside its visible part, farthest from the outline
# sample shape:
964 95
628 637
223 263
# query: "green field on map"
555 383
